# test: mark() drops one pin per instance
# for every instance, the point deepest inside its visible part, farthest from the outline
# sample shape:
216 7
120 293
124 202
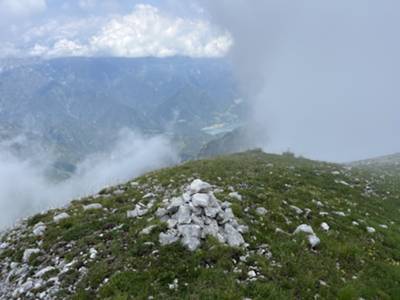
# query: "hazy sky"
323 76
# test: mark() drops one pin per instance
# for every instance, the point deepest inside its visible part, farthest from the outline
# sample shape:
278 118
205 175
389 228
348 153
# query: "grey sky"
323 76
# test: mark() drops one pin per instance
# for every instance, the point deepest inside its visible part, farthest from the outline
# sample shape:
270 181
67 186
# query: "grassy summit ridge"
103 254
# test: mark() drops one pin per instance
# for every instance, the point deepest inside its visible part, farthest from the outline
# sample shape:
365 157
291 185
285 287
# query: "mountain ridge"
315 229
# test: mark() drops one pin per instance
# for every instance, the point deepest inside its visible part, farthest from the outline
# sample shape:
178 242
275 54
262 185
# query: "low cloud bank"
25 189
320 75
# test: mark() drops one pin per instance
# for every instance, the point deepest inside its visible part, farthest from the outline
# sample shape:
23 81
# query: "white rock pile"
197 214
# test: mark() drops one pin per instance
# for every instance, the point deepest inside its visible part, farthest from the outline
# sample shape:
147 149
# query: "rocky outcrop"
197 214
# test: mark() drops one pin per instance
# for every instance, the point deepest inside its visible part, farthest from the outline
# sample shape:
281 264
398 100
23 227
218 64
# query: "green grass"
349 263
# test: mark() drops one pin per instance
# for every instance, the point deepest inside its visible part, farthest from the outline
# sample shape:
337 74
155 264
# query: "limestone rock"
252 274
4 246
304 228
235 195
198 214
28 253
339 213
93 253
211 212
92 206
313 240
190 236
199 186
297 210
183 216
371 229
39 229
172 223
137 212
211 229
200 200
233 237
58 218
161 212
261 211
325 226
147 230
174 205
42 272
170 237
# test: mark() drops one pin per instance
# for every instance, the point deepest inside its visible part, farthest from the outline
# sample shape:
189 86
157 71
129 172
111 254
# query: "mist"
321 77
25 189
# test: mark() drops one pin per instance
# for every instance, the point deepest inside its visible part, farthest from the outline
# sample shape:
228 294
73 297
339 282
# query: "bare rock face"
197 214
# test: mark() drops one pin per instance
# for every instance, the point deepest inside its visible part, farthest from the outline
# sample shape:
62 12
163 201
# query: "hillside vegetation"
98 252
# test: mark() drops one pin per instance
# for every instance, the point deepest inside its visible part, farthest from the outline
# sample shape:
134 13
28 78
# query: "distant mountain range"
78 104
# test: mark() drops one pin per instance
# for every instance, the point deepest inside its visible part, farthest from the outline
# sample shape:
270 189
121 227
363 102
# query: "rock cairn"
197 214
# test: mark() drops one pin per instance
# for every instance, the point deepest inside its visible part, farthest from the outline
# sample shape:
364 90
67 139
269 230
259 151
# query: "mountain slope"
98 252
238 140
388 163
80 104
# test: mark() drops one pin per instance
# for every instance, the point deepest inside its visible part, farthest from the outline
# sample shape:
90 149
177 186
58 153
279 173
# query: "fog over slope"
322 75
25 189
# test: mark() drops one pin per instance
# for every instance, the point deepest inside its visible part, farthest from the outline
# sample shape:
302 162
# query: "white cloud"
9 50
145 32
25 190
22 8
61 48
53 31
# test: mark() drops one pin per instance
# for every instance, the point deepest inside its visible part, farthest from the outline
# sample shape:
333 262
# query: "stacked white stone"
197 214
